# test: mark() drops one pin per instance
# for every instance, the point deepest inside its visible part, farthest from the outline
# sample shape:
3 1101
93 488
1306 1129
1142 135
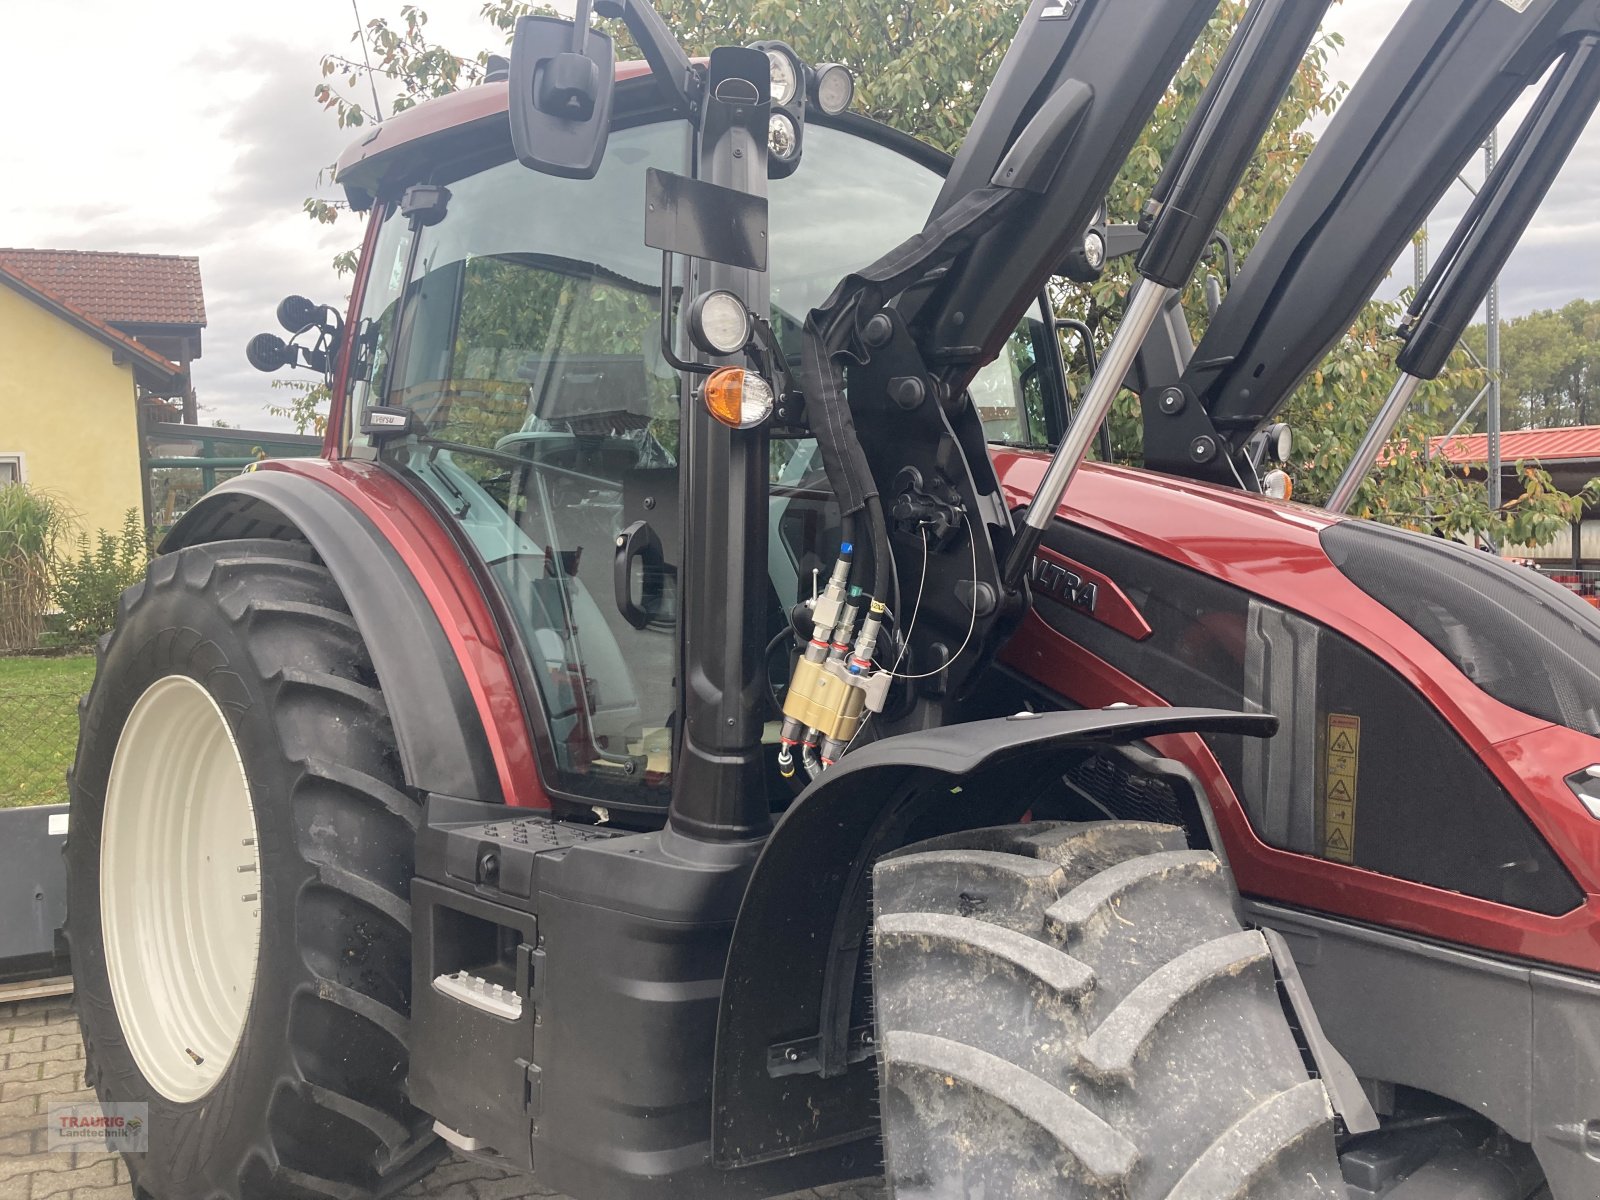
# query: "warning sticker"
1342 761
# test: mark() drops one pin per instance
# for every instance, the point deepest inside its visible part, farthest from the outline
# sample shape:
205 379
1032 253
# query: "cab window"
528 355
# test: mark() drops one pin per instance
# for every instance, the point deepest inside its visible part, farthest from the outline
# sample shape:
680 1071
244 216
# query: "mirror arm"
668 351
580 26
669 63
1092 361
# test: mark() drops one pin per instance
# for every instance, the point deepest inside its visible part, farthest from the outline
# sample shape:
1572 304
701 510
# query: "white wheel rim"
180 907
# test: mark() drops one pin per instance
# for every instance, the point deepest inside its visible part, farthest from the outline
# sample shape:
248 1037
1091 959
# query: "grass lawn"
39 726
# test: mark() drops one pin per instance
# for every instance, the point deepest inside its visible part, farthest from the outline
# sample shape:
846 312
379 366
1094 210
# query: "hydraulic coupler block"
832 699
826 697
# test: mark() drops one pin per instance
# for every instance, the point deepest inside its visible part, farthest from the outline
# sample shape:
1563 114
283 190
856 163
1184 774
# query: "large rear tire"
1074 1011
239 862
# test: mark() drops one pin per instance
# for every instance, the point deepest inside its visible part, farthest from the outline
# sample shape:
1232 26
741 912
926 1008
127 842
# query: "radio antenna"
361 34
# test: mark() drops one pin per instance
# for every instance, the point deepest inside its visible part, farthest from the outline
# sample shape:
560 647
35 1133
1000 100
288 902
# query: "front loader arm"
903 448
1447 73
900 436
1122 57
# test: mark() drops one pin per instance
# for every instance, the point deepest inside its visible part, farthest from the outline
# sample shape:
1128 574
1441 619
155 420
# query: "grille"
1124 793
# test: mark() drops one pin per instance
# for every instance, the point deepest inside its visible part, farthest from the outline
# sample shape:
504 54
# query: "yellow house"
69 403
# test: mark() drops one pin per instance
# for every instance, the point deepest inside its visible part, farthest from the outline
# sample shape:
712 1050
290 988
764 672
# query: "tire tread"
1111 989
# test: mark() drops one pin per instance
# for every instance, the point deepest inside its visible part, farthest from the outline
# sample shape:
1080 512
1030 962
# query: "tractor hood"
1457 622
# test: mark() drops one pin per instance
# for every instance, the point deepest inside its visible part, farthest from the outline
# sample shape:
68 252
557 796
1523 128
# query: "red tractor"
687 739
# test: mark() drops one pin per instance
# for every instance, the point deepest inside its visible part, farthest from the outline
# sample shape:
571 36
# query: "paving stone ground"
41 1063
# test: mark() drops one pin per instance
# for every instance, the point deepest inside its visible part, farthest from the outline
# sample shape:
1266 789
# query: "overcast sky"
188 127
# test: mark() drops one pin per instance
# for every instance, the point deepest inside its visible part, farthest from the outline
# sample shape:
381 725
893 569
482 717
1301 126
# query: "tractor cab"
514 318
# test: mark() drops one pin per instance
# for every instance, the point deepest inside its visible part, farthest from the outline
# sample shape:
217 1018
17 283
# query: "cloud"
282 136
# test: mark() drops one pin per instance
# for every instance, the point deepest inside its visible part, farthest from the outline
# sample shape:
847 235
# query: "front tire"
1074 1011
239 860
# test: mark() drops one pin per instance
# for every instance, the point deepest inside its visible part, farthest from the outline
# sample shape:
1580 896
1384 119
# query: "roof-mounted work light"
783 139
829 87
786 129
833 87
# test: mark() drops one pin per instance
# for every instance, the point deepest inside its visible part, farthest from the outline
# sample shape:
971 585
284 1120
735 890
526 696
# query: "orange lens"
738 398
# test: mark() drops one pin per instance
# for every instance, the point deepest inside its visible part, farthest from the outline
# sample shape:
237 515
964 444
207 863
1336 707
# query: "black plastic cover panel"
1528 642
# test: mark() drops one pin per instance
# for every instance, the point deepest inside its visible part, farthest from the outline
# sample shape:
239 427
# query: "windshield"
527 349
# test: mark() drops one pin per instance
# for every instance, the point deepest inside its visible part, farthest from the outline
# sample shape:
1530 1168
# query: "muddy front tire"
239 860
1074 1011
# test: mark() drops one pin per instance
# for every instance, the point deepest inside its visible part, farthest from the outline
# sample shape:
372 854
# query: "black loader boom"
1071 96
1447 73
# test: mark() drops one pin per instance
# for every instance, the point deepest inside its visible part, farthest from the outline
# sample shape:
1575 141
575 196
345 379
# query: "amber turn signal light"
738 398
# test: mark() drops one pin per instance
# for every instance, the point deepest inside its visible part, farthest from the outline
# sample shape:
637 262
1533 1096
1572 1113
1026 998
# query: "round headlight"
783 140
1094 250
835 88
1281 442
785 76
739 399
719 323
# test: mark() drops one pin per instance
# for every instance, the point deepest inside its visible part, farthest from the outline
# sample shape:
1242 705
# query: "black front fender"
784 1044
442 743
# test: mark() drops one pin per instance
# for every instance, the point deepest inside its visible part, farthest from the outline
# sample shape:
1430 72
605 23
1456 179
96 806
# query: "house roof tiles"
116 287
1574 443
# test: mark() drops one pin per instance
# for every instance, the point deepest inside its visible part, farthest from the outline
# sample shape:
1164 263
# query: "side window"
1363 770
374 330
546 424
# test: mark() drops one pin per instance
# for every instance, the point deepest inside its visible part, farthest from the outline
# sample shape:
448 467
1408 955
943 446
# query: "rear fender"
442 743
786 1033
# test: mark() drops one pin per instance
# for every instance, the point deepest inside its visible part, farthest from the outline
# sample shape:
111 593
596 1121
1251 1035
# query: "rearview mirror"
562 77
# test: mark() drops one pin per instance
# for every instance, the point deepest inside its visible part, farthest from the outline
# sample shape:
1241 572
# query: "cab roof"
403 139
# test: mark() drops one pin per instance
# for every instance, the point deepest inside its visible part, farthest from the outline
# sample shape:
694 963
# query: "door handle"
639 541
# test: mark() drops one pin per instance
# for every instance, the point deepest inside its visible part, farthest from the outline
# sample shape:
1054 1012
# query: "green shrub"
32 525
87 585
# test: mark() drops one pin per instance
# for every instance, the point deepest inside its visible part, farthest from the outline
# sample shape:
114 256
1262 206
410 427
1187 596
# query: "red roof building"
1572 457
1570 454
1576 444
154 373
155 299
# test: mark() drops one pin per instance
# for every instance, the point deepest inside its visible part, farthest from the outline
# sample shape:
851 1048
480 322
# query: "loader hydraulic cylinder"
1389 413
1480 246
1233 115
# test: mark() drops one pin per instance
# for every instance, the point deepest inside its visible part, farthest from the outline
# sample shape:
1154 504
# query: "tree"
305 405
1551 365
923 67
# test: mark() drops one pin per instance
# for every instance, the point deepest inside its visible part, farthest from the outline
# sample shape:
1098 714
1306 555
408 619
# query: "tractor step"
492 998
478 970
495 859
